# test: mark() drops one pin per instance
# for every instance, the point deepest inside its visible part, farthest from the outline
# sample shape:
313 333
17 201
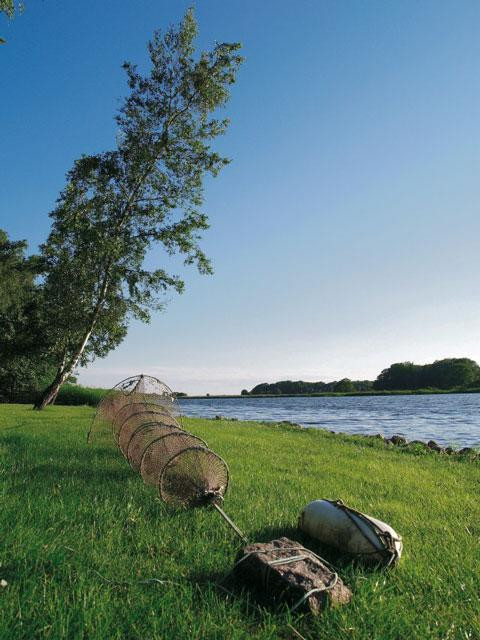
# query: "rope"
389 548
328 587
219 585
296 632
287 560
128 583
259 551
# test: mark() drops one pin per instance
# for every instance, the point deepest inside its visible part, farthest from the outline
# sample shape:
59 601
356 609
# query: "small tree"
344 386
147 192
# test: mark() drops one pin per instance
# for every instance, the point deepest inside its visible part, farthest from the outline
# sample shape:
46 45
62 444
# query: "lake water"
452 419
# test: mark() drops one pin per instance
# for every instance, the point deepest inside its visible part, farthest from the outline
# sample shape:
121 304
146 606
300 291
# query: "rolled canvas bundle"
333 523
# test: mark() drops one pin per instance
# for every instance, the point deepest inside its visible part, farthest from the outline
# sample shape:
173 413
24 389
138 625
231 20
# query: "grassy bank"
74 394
328 394
73 512
69 394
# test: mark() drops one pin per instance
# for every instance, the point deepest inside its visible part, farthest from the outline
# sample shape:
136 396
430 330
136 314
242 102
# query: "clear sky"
345 235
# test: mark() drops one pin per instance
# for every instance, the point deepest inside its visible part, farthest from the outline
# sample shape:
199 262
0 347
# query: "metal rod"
230 522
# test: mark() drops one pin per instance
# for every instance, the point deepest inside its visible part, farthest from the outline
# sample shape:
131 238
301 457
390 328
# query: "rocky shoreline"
400 441
393 441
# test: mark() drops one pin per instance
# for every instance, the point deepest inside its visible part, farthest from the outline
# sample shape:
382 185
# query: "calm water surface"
452 419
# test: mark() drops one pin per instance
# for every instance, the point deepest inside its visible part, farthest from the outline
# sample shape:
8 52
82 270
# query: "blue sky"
345 234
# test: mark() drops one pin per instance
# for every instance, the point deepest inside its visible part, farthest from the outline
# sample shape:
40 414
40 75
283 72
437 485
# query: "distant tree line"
450 373
288 387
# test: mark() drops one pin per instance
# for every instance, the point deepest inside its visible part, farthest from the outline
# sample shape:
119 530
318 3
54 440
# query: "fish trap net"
130 426
137 411
195 476
141 415
142 437
134 394
159 452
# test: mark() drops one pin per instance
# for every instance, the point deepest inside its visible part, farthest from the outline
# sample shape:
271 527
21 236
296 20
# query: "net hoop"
201 500
117 431
143 427
163 463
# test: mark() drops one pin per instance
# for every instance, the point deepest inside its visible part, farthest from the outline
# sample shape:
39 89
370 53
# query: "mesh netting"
194 477
128 410
160 451
129 424
141 438
142 416
140 389
101 427
168 404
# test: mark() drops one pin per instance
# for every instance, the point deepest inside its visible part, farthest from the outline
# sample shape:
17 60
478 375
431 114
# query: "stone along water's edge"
470 453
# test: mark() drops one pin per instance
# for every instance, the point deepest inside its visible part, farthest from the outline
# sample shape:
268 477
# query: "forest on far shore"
449 373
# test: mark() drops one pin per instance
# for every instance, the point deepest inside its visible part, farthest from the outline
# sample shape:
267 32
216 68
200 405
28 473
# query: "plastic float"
332 523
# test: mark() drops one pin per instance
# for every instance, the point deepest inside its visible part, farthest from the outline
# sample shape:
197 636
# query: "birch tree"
147 193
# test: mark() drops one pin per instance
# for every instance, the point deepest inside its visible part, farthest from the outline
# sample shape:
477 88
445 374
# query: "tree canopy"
441 374
7 7
145 194
23 364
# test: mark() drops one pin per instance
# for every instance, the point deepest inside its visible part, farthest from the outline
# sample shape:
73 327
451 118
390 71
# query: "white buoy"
334 524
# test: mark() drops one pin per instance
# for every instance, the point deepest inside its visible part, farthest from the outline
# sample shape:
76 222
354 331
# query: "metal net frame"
142 417
195 476
128 412
139 389
136 420
161 450
141 438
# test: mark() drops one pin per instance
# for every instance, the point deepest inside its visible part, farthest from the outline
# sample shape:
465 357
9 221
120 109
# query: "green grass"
69 394
71 511
75 394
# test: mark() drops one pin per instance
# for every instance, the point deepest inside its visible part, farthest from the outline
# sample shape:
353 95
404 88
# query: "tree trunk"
51 392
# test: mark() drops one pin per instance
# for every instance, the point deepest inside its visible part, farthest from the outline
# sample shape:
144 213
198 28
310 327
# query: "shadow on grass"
337 559
254 598
54 471
21 443
48 463
251 601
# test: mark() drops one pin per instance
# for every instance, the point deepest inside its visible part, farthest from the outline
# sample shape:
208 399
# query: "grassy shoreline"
74 395
71 511
326 394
